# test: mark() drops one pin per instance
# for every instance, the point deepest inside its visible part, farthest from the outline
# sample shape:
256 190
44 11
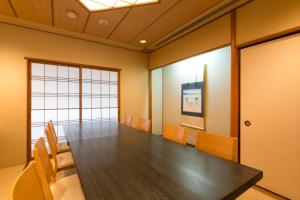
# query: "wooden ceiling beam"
13 9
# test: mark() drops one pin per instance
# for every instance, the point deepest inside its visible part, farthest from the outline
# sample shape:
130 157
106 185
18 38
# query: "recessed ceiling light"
143 41
103 22
71 14
96 5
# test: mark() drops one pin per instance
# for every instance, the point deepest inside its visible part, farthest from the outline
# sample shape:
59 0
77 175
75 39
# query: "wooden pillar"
234 118
150 97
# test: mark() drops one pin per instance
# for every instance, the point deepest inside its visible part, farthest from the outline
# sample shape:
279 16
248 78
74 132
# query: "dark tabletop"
118 162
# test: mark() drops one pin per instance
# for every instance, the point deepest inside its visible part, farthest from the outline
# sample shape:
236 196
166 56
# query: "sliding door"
55 96
69 94
270 113
99 95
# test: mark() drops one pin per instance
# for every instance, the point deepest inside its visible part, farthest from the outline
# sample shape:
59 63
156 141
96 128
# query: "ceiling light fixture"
71 14
96 5
103 22
143 41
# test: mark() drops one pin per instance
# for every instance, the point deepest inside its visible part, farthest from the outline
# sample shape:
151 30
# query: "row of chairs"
222 146
143 124
39 180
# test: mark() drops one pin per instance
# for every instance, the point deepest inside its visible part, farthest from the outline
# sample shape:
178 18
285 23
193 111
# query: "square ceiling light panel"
98 5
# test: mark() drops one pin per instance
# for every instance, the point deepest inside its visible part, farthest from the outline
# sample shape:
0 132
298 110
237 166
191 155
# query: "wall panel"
210 36
261 18
17 43
217 106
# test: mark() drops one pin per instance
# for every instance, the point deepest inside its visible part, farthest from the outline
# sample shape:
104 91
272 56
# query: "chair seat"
67 188
64 160
63 147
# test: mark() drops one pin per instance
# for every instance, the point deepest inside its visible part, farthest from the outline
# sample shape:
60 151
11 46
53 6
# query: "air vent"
190 27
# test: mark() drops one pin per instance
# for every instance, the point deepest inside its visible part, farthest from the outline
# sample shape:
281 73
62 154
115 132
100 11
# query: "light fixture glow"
71 14
103 22
143 41
97 5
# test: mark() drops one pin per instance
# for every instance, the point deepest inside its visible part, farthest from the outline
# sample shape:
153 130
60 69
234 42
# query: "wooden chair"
62 146
144 124
65 188
60 161
127 120
222 146
28 186
43 161
175 133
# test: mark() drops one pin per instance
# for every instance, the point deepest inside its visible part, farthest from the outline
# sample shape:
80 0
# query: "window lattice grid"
99 95
54 95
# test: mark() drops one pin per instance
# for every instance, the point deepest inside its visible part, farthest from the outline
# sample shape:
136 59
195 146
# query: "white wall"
217 91
157 101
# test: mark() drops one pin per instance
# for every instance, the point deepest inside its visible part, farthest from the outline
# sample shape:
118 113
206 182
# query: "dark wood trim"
190 145
204 98
13 9
117 25
52 13
46 61
272 192
239 107
80 94
162 102
271 37
150 97
86 23
193 55
119 96
28 132
102 68
234 79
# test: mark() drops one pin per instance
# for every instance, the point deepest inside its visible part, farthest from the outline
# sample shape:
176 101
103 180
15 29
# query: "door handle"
247 123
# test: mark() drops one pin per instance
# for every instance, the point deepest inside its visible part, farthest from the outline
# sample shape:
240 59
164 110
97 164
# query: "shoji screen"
99 95
55 96
68 94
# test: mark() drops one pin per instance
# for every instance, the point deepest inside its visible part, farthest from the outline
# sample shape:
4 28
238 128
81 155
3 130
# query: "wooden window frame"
67 64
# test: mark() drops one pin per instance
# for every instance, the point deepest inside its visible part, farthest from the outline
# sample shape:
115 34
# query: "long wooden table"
118 162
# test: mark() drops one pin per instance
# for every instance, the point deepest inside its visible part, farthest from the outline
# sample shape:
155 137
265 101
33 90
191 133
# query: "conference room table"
118 162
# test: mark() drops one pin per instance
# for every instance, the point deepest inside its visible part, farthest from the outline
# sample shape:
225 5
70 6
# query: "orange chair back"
43 162
144 124
52 130
127 120
53 147
175 133
29 186
222 146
